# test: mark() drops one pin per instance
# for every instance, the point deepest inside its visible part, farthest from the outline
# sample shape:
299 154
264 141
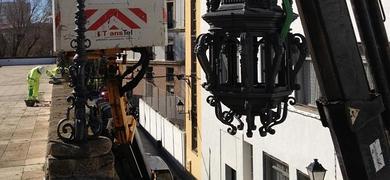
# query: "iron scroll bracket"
146 56
202 43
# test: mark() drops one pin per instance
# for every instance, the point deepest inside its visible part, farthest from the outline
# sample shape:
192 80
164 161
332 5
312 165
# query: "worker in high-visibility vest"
33 78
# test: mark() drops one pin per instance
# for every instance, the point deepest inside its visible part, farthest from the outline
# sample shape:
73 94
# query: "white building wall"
159 52
297 141
386 7
161 129
176 35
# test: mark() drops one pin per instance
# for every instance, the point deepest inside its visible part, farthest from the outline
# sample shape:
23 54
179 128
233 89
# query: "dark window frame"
149 73
170 14
274 168
302 176
230 173
170 73
169 52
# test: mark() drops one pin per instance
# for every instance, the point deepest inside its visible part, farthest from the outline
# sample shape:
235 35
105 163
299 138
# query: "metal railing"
163 102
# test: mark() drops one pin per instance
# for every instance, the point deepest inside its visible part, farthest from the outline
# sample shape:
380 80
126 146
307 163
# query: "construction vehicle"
357 116
105 30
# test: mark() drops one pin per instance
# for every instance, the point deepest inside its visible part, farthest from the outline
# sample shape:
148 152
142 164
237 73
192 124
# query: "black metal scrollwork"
65 128
74 43
298 41
75 129
270 118
200 49
226 117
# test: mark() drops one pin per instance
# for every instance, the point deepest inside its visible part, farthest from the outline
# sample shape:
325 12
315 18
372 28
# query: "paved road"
23 131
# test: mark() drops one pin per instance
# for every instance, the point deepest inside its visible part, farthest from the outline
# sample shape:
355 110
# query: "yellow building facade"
193 98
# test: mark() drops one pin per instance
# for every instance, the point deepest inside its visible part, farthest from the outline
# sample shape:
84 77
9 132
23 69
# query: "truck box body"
111 24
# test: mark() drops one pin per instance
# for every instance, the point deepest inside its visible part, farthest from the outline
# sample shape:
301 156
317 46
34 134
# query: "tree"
27 28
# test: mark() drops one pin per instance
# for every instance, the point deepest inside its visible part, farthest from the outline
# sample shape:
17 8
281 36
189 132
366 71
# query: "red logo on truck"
117 14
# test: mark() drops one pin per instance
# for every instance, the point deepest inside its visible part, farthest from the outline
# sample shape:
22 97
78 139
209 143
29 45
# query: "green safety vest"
34 74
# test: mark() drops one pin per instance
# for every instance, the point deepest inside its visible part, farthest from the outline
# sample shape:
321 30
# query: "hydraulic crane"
357 117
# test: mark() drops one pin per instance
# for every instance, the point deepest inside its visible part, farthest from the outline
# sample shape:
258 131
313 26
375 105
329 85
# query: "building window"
149 74
170 74
248 160
274 169
169 53
310 89
302 176
230 173
170 15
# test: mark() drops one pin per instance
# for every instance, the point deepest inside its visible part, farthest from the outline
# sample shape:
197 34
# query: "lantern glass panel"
229 61
224 66
319 175
180 107
310 174
260 62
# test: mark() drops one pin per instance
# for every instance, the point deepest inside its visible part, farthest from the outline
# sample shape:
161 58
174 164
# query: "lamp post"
316 171
252 62
180 107
76 130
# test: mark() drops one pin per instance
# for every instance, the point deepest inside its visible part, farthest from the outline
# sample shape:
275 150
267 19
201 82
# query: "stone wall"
92 160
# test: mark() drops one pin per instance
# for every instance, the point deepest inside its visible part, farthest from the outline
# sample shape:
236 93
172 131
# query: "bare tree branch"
26 20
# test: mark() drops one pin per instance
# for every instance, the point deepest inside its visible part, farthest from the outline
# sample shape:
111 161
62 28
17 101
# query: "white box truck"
111 24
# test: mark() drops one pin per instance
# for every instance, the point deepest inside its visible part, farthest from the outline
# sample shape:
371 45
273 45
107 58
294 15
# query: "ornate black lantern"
316 171
253 61
180 107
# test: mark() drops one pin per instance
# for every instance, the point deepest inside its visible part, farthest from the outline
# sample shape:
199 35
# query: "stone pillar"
91 160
